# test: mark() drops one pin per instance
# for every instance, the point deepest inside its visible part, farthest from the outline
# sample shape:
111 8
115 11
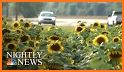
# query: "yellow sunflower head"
37 44
16 25
29 50
105 33
54 38
25 38
115 55
103 26
21 20
96 24
27 25
51 28
78 21
19 31
11 46
4 31
116 39
7 40
100 39
55 47
93 29
79 29
82 24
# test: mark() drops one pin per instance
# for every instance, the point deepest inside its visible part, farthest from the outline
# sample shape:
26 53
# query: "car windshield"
118 13
47 14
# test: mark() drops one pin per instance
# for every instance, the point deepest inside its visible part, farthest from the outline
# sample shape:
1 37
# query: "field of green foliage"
96 47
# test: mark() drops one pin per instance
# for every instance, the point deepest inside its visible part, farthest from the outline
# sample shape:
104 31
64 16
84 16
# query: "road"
69 21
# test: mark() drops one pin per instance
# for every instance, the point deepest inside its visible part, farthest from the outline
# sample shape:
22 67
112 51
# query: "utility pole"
7 9
16 11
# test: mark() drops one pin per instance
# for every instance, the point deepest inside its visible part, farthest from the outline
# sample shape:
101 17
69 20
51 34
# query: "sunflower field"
97 47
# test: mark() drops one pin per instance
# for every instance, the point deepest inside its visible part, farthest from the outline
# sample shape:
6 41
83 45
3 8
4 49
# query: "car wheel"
39 23
53 23
114 23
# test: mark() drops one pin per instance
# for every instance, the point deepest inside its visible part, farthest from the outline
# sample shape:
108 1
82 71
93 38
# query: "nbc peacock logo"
11 61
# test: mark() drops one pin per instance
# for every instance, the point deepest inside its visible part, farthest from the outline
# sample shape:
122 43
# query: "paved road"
69 22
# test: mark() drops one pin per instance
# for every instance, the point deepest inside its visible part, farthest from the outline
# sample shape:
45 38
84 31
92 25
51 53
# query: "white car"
115 18
46 17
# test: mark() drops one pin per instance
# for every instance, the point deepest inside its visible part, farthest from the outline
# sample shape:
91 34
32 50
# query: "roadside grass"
64 28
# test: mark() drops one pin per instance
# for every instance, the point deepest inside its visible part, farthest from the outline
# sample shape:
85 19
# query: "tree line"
32 9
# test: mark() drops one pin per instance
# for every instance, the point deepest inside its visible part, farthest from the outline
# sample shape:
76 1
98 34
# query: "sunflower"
79 29
53 38
4 31
115 55
100 39
78 21
19 31
25 38
54 47
51 28
37 44
96 24
27 25
103 26
16 25
93 29
21 20
29 50
82 24
105 33
7 40
11 46
116 39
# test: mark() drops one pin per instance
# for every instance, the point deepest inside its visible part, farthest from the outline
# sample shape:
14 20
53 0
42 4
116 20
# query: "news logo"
11 61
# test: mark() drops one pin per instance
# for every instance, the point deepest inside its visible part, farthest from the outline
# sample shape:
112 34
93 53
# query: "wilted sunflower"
79 29
53 38
25 38
56 46
115 55
100 39
4 31
11 46
103 26
16 25
96 24
27 25
116 39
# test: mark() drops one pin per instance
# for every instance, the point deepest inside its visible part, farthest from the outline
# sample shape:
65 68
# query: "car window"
47 14
118 13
